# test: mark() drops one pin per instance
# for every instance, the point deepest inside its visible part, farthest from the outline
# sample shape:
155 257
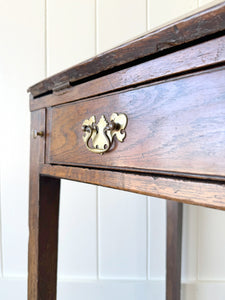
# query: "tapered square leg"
173 252
43 221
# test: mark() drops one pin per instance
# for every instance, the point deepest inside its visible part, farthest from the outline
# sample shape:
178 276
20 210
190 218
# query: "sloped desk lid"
201 25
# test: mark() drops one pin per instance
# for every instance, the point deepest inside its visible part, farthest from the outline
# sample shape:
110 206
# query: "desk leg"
173 252
43 222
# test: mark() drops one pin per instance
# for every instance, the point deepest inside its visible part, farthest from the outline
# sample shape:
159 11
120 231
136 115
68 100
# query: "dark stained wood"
170 84
48 237
174 126
43 221
201 25
36 156
195 192
173 250
201 55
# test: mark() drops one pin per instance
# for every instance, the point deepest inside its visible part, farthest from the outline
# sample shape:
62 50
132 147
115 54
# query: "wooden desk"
167 88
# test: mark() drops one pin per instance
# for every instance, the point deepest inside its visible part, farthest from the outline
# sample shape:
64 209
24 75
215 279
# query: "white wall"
112 243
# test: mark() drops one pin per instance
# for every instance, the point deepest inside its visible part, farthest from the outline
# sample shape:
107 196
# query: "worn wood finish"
175 126
43 221
173 253
176 34
36 156
170 84
197 192
192 58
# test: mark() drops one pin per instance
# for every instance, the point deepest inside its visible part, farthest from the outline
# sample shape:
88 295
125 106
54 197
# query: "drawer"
173 126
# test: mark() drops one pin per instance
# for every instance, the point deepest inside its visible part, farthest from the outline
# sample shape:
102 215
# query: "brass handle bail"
102 134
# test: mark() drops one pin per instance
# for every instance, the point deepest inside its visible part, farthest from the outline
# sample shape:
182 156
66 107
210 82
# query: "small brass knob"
36 133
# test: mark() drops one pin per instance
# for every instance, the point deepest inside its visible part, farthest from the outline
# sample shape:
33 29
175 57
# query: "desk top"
185 32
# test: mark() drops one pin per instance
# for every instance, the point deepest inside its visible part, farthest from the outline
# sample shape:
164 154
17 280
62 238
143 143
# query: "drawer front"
173 126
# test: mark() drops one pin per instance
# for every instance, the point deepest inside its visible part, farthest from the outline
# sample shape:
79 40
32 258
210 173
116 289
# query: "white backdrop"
111 243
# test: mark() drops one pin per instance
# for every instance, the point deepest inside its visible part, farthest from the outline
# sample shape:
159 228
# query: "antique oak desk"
146 117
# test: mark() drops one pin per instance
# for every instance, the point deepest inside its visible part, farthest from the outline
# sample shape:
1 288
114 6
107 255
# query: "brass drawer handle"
102 133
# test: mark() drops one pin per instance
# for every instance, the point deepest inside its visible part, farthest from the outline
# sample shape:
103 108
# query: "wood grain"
190 59
170 84
195 192
43 221
173 250
48 237
201 25
36 156
174 126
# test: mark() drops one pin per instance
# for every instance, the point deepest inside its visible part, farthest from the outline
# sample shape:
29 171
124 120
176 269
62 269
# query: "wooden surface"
43 222
36 156
154 43
170 84
173 253
205 54
174 126
197 192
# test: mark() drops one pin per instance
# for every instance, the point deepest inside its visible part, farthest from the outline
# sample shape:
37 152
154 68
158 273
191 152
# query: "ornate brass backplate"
102 133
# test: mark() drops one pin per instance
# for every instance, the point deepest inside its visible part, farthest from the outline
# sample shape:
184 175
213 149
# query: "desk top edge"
200 25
